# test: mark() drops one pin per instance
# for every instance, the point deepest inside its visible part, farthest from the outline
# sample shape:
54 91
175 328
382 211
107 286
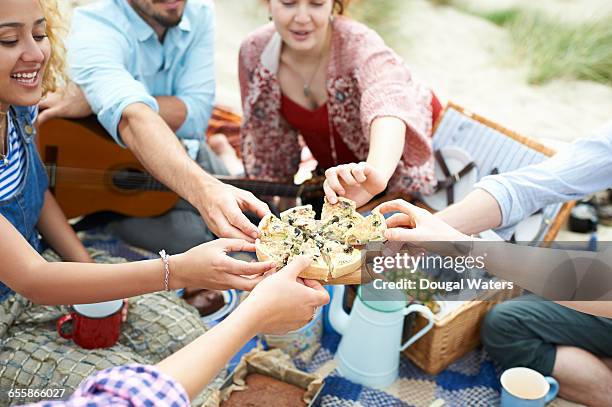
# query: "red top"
313 125
436 109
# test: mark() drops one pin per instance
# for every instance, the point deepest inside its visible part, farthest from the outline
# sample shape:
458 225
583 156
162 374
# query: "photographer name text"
449 286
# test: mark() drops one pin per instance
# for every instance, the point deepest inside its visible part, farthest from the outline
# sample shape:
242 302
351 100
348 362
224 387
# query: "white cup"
524 387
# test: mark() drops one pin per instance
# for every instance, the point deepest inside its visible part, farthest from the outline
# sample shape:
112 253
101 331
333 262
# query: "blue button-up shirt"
580 169
117 59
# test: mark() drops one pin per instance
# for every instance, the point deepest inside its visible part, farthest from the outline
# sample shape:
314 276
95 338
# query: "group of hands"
282 299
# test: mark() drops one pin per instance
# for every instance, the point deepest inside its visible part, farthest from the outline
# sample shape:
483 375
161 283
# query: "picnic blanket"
473 380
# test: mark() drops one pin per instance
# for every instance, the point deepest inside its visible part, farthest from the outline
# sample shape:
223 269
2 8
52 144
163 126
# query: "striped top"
12 170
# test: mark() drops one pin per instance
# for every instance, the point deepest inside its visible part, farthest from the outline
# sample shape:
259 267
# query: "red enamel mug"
92 326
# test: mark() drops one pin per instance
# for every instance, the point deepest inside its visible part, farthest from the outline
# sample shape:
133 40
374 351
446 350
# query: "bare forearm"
27 273
172 110
75 283
475 213
54 227
196 364
387 138
158 149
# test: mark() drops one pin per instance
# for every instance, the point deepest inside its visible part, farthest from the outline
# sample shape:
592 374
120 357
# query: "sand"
462 57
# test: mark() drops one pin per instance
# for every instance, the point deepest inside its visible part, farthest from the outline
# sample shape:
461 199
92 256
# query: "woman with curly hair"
314 73
32 355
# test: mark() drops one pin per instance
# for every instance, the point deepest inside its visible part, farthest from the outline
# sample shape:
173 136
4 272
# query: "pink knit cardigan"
365 80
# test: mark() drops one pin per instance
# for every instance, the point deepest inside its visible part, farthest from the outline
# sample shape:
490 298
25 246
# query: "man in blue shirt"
146 70
572 346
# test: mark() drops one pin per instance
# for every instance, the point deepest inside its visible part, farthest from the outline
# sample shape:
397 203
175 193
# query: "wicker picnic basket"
458 332
455 334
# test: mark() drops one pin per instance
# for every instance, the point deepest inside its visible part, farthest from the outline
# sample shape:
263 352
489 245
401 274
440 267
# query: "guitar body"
87 171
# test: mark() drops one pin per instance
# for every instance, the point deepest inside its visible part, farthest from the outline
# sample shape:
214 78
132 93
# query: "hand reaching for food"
209 265
414 224
357 182
283 301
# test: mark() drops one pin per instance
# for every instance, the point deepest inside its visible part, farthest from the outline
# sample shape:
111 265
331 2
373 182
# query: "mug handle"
66 334
428 314
554 389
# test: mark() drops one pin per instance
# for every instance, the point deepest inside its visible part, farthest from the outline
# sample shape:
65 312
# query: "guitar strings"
146 181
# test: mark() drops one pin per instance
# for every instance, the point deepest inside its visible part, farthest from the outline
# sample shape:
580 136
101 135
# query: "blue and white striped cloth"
12 170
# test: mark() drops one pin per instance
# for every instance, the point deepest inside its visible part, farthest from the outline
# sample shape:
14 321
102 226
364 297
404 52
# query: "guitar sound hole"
130 179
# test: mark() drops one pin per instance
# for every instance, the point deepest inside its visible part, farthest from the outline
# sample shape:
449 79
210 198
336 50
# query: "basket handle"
426 312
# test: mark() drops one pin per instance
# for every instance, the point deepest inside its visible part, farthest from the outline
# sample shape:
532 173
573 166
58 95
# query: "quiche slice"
339 218
336 228
275 241
341 258
344 208
283 252
275 251
280 242
318 269
273 229
302 217
370 229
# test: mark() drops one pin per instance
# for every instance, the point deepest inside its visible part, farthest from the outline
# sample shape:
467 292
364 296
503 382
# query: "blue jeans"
23 209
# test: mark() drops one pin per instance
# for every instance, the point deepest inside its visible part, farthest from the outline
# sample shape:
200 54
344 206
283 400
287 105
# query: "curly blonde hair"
55 73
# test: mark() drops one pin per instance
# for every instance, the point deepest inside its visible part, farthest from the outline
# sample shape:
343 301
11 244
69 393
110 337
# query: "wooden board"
355 277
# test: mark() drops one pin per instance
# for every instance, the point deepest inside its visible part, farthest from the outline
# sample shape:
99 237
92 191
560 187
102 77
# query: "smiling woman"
32 52
31 64
25 53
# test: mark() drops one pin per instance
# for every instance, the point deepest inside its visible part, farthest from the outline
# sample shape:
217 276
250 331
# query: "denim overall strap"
23 209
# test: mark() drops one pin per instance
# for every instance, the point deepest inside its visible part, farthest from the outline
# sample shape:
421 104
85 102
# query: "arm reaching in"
553 274
503 200
280 303
361 182
70 103
157 148
475 213
207 266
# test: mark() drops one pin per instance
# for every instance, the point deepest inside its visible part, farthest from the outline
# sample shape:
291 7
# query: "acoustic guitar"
89 172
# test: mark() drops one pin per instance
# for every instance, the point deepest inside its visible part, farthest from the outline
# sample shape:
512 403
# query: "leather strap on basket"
451 179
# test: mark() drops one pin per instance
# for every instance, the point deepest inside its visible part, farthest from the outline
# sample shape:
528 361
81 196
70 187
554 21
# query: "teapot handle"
427 313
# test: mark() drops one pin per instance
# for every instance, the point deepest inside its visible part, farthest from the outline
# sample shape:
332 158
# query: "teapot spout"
337 317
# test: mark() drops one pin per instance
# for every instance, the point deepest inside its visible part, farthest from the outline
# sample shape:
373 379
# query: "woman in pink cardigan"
332 80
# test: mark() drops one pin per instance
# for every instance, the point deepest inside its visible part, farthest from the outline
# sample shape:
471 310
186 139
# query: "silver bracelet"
166 259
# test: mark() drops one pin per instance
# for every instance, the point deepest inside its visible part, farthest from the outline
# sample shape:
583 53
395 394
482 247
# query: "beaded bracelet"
166 259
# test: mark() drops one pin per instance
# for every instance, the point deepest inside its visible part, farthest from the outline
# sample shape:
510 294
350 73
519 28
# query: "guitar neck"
265 188
140 181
